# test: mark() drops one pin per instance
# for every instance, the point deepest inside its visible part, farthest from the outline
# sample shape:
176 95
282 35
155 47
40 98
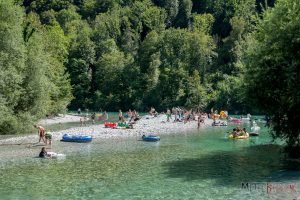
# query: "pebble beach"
147 125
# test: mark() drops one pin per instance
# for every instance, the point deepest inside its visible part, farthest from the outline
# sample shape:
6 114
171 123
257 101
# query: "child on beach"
48 137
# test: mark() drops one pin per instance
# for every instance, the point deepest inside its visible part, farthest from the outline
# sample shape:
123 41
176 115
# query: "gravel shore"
147 125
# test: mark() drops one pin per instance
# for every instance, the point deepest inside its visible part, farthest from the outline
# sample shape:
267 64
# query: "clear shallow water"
199 165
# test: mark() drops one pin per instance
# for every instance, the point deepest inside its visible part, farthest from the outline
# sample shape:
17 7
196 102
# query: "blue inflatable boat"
76 138
151 138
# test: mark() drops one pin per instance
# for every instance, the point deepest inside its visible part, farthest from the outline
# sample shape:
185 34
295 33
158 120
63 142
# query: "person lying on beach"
41 133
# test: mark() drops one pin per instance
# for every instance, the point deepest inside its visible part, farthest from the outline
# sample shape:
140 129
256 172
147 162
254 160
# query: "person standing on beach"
105 116
199 120
93 117
83 120
168 115
120 115
41 133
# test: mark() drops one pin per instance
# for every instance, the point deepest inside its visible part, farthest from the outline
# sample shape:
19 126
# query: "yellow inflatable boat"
239 137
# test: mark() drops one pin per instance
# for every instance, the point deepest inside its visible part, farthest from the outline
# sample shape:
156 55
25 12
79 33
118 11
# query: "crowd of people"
178 114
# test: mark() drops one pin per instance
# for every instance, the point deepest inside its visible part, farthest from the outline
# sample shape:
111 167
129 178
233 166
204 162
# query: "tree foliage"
33 81
273 70
116 54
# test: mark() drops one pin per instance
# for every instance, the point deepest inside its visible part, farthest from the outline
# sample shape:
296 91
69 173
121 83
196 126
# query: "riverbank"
60 119
147 125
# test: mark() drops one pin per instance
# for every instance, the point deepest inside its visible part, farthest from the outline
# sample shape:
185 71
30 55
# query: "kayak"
150 138
76 138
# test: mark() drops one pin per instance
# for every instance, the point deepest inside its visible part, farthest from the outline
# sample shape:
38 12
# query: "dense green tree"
40 6
273 65
91 8
12 57
167 81
110 67
57 44
203 23
65 18
33 81
183 18
115 54
81 58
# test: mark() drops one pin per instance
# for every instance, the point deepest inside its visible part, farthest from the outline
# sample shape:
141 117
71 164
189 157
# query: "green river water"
200 165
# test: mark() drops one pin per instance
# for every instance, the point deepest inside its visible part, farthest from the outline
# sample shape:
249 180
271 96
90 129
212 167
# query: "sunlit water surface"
199 165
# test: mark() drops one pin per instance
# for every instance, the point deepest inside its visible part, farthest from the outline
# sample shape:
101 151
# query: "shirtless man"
41 133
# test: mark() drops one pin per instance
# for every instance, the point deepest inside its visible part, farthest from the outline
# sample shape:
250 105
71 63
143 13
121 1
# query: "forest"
237 55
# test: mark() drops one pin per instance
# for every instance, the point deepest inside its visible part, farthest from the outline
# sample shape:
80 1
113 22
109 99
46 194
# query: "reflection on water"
200 165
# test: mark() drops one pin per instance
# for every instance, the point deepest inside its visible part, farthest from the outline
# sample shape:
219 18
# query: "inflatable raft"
110 124
239 137
235 120
150 138
76 138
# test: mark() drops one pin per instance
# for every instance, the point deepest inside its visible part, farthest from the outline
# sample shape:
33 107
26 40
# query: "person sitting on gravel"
43 153
153 112
134 117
